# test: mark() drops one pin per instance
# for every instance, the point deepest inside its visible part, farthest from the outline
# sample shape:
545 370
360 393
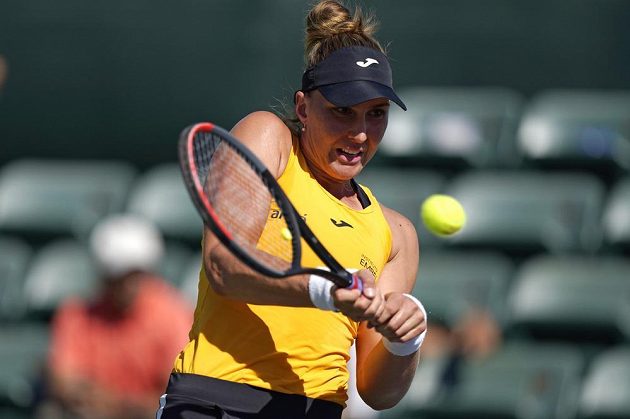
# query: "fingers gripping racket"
241 202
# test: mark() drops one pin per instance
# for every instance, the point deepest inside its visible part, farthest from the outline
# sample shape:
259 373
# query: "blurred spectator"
110 357
476 334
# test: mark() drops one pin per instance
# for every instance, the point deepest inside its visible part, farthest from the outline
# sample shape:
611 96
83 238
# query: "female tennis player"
278 348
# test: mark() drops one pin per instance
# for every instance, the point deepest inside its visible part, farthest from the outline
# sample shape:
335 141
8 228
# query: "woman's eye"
342 110
378 113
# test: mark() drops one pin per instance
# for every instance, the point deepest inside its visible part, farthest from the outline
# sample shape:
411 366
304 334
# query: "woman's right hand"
366 305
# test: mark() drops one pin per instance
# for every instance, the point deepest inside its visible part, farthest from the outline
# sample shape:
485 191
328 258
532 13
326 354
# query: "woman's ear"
300 106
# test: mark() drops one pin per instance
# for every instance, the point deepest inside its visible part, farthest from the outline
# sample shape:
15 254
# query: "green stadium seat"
616 220
606 390
15 413
404 190
523 212
522 380
580 129
43 199
23 349
160 196
451 282
453 127
15 255
573 298
60 269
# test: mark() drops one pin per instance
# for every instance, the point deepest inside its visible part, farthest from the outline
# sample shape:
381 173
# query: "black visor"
352 75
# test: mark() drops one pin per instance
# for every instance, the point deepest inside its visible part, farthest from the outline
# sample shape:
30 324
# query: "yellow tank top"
291 349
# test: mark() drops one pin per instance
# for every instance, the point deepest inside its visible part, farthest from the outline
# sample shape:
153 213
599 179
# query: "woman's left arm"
383 377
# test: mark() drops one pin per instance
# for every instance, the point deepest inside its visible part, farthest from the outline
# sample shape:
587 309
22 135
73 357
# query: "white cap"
124 243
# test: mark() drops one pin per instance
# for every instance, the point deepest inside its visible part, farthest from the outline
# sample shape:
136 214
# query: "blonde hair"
330 26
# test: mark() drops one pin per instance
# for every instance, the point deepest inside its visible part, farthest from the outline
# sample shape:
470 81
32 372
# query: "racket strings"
242 202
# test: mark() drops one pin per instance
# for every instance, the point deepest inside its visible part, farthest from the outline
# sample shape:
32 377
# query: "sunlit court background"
521 110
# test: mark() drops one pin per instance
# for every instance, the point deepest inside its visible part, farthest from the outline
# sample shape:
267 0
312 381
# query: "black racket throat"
339 275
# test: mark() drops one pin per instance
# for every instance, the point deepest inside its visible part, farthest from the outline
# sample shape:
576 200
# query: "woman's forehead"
376 102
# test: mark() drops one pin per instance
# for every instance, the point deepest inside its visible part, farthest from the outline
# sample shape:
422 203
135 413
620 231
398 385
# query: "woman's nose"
358 132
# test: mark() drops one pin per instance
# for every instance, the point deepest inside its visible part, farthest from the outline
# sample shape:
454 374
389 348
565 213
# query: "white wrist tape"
407 348
319 291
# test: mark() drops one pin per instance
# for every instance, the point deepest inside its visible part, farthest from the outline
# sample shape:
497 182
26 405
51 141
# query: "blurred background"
521 110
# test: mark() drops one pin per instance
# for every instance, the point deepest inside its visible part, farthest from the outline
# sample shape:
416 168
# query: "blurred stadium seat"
22 351
189 283
522 212
575 298
15 256
451 282
404 190
424 390
15 413
174 262
577 129
160 196
60 269
606 390
451 128
42 199
522 380
616 220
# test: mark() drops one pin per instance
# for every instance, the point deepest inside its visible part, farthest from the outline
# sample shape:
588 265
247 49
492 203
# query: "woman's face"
119 294
338 142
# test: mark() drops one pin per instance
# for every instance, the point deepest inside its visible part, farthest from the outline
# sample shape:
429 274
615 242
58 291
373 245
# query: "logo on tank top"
340 223
277 214
366 263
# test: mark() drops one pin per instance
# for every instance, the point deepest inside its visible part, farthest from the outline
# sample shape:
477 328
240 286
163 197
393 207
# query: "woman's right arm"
270 140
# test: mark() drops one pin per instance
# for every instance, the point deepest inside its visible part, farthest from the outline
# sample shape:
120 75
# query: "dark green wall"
121 78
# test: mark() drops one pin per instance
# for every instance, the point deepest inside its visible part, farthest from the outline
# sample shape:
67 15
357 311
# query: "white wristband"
319 291
407 348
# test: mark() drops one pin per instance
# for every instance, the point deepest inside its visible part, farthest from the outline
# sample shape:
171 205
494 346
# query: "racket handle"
356 283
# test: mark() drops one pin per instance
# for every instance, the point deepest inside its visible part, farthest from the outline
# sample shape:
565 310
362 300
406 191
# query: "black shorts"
190 396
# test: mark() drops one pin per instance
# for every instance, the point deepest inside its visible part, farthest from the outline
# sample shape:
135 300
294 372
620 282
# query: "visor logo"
368 62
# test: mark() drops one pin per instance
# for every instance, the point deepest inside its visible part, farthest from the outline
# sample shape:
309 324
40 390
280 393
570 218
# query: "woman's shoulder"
394 217
402 228
265 123
266 134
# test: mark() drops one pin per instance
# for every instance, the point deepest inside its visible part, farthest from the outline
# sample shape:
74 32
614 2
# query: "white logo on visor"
368 62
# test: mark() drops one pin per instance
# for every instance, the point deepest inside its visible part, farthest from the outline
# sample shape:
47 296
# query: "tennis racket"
241 202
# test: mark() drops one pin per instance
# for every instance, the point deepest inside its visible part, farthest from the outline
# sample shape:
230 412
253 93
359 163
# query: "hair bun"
330 26
330 18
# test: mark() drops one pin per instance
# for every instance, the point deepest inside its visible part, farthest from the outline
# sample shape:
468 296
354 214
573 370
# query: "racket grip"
356 283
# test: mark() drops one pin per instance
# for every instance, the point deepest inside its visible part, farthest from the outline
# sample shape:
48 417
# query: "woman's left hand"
402 319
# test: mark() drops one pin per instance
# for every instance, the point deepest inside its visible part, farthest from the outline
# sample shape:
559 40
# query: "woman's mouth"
349 156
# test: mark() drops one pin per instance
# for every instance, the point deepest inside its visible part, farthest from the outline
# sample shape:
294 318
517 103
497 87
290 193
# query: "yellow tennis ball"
443 215
286 234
